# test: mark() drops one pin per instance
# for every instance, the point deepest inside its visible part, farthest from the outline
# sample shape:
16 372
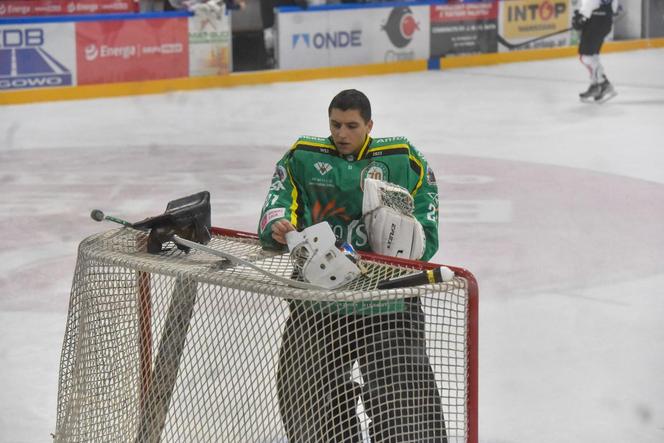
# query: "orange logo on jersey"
320 213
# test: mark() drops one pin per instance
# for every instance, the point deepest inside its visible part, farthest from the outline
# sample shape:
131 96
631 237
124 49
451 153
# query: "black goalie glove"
187 217
578 21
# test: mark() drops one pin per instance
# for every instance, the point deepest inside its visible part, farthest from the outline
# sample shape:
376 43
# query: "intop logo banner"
337 37
525 20
37 56
132 50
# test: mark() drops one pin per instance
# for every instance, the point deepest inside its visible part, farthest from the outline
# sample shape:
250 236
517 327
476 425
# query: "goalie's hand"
394 234
280 228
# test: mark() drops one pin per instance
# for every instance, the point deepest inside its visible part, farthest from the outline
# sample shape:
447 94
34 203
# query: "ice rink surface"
555 205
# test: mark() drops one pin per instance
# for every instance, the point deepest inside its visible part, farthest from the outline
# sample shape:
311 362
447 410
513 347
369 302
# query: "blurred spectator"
203 6
250 51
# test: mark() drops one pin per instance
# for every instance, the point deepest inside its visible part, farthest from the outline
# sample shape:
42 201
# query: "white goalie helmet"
321 259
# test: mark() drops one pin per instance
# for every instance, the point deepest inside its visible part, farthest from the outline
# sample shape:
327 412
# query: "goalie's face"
349 130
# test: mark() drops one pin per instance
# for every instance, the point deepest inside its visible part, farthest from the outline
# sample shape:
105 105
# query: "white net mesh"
185 347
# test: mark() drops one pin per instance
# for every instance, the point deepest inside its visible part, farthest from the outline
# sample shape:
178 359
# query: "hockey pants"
318 398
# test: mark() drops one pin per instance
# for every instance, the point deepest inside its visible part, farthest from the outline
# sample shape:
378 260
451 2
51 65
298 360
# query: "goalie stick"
438 275
99 216
242 262
442 274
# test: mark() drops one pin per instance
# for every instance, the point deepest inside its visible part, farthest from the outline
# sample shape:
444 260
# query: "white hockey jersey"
588 6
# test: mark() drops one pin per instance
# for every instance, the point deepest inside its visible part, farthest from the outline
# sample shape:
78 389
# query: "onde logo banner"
532 18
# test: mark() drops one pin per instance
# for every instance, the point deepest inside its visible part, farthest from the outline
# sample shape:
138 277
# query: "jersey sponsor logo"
270 215
320 181
311 148
376 171
392 140
355 233
431 177
322 167
313 138
319 212
280 173
277 186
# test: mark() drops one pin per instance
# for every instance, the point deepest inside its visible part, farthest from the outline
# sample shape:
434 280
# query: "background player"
594 20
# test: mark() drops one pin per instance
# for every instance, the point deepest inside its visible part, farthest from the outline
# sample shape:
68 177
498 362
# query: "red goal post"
185 347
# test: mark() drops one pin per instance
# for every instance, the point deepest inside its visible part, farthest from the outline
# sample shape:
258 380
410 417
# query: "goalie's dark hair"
351 99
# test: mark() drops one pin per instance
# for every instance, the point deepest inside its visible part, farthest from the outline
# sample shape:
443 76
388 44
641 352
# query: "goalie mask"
322 259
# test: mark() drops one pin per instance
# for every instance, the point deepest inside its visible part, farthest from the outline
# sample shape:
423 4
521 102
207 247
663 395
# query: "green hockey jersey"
314 183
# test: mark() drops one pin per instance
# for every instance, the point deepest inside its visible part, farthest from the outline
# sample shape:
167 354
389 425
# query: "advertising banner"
210 46
352 36
131 50
542 22
37 56
26 8
464 28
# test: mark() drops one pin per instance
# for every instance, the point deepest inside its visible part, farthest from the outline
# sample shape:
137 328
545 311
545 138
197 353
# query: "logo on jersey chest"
322 167
320 212
376 171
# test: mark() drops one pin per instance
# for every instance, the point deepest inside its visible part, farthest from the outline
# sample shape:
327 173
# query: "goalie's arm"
425 196
284 201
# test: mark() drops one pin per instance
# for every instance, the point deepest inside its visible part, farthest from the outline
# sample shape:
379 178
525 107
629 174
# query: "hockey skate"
606 92
591 93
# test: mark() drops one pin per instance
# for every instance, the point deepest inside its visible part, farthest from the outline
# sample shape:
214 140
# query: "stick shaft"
240 261
119 221
541 37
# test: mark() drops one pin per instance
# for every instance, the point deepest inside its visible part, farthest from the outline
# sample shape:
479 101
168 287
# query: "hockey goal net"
185 347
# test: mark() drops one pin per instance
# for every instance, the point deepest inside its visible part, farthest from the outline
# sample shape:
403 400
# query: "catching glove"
387 214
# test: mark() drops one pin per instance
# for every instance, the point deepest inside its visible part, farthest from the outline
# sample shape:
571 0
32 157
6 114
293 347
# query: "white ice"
555 205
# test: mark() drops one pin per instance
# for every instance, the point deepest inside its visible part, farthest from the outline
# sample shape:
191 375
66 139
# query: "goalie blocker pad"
391 228
187 217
